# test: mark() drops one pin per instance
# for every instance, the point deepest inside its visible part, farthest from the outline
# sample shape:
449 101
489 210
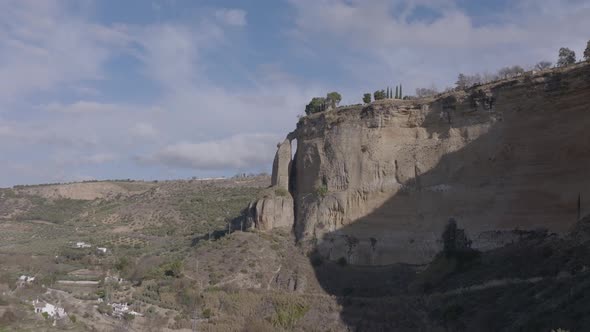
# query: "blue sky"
179 88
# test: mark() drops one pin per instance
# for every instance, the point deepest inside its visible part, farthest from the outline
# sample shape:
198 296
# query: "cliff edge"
376 184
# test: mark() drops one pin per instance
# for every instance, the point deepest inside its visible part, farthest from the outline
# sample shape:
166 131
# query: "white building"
120 309
51 310
82 245
25 279
102 250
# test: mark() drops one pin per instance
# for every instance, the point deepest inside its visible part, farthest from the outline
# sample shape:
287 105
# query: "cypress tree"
400 92
388 93
396 92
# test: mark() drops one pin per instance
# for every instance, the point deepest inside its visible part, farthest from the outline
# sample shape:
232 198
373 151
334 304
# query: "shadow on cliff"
538 144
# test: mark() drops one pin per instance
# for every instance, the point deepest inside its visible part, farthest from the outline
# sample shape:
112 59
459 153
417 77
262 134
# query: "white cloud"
98 158
45 45
82 106
235 17
144 130
236 152
377 42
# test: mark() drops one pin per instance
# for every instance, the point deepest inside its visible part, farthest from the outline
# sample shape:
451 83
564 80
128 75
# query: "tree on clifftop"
543 65
461 81
367 98
587 52
379 94
566 57
316 105
334 99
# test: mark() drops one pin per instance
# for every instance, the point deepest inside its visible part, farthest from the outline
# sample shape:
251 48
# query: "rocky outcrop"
281 166
275 208
376 184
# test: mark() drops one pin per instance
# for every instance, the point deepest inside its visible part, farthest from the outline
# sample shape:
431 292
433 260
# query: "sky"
169 89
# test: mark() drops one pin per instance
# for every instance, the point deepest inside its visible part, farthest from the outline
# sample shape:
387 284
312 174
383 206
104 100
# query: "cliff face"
377 184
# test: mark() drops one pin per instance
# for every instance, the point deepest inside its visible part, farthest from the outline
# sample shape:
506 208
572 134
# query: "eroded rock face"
272 211
377 184
275 209
281 166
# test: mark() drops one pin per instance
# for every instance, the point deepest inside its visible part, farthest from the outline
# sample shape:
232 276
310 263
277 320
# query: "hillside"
353 233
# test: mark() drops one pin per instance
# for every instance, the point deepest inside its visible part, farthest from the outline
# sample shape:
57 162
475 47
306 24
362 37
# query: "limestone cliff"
376 184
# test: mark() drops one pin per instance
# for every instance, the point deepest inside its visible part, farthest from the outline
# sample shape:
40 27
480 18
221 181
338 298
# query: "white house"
120 309
82 245
101 250
51 310
25 279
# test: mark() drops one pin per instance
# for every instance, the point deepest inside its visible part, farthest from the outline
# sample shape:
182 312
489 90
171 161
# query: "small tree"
587 52
367 98
566 57
379 94
461 81
333 99
543 65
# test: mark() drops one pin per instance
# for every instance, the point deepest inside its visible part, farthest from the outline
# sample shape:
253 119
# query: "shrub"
73 319
45 315
206 313
367 98
321 190
105 309
281 192
288 314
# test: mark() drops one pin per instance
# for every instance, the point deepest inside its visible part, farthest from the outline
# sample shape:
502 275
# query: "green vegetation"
367 98
55 211
320 104
321 190
333 98
287 314
316 105
587 52
379 95
566 57
281 192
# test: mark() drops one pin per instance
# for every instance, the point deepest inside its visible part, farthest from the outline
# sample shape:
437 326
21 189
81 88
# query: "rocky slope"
376 184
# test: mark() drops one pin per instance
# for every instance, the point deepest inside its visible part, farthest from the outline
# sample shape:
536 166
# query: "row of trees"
566 57
384 94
